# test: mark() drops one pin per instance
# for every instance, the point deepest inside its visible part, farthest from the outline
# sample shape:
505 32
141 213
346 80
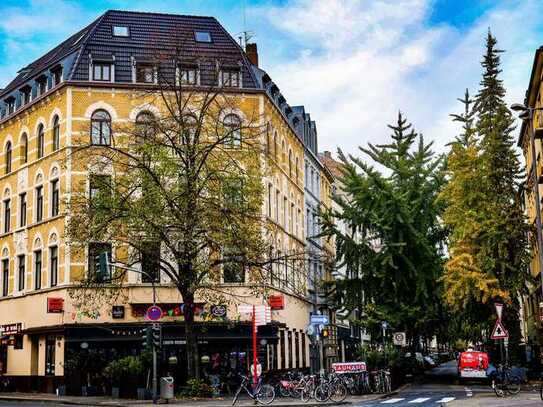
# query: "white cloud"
368 59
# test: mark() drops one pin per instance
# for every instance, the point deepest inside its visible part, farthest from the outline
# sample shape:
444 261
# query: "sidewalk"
217 402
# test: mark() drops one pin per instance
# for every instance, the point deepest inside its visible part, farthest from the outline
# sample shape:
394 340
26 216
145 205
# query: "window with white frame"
145 73
230 78
189 75
101 71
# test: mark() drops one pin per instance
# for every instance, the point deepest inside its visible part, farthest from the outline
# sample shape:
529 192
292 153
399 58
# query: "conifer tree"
393 249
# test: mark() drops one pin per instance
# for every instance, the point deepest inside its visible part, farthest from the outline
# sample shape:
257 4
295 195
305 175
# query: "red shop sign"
276 302
55 305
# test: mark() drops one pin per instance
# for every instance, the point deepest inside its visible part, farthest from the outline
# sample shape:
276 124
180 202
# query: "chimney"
252 53
328 154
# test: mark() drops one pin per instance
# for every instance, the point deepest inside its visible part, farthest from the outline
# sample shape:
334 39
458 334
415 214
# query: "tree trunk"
193 359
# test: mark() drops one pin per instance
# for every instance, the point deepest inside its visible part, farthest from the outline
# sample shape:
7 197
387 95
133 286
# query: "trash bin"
166 388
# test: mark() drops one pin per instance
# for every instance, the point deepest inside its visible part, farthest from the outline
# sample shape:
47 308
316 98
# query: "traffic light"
101 267
147 337
157 336
325 333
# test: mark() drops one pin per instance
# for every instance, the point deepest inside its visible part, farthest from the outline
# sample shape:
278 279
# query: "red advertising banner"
349 367
55 305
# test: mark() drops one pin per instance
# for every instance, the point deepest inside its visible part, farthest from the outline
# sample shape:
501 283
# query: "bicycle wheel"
322 392
236 396
283 391
266 394
307 393
388 384
338 392
498 389
513 385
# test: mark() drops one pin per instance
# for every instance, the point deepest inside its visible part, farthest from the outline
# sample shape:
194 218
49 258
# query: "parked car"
473 365
429 362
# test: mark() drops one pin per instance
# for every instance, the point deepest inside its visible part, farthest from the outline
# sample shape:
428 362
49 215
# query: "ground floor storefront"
72 359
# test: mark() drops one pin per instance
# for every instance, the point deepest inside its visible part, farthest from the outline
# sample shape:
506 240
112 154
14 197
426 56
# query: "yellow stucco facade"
26 303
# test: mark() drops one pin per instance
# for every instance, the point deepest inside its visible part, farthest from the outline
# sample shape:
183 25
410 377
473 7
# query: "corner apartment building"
98 78
532 324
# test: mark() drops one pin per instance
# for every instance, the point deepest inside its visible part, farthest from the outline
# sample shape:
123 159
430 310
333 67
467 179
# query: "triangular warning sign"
499 331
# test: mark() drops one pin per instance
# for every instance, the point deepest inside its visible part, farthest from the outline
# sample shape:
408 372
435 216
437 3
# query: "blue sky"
352 63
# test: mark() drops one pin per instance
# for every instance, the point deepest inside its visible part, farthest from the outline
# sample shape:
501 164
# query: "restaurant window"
7 215
18 342
41 141
55 197
39 203
3 359
95 249
24 148
145 73
230 78
56 133
53 265
5 277
150 262
21 271
101 71
8 157
100 128
22 209
37 269
50 355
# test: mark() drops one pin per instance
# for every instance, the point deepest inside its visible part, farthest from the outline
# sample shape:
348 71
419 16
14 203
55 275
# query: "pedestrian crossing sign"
499 332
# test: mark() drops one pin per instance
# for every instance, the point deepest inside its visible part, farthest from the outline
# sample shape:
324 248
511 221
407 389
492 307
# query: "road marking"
392 401
419 400
446 400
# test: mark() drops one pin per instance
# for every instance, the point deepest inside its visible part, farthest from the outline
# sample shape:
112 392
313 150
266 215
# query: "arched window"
41 141
290 163
8 157
232 123
145 125
24 148
190 127
56 133
100 128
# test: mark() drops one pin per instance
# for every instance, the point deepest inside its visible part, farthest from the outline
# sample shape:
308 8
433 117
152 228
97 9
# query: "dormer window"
25 94
120 31
189 75
145 73
10 105
230 78
57 75
101 71
102 68
202 36
41 84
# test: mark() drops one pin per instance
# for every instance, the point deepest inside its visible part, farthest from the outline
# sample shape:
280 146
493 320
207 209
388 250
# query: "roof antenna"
247 34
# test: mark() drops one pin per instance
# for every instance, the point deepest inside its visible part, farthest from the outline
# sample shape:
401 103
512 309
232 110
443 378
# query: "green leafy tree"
393 248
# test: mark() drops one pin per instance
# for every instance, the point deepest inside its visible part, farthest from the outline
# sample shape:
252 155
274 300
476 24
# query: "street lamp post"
527 114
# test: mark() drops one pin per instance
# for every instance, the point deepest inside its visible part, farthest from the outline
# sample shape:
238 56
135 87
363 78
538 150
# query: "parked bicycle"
505 382
262 393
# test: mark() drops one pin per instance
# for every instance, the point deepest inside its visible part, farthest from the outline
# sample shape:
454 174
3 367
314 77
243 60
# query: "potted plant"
121 370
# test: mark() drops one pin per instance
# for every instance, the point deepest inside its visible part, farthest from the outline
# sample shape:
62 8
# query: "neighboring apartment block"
97 79
532 327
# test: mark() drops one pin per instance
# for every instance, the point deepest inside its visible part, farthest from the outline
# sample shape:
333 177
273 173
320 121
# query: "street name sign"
499 331
317 319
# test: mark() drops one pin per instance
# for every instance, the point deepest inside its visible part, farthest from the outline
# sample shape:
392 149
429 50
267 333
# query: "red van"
473 365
